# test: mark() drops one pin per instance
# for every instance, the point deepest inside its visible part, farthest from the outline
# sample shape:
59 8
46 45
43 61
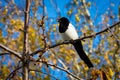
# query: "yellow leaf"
111 72
5 70
76 2
86 68
12 21
70 12
5 11
54 61
89 4
32 73
46 78
54 25
68 58
19 78
77 18
32 34
4 41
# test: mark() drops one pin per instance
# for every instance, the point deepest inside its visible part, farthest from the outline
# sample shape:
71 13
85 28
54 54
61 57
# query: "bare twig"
71 41
4 54
37 51
113 34
48 64
55 66
11 51
44 73
87 14
43 32
12 74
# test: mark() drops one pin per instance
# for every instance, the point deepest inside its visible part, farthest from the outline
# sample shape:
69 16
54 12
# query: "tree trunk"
25 46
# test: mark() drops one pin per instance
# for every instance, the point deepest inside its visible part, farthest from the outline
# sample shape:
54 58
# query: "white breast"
70 33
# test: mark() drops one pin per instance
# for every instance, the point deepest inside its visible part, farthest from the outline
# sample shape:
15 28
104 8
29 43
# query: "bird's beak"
58 20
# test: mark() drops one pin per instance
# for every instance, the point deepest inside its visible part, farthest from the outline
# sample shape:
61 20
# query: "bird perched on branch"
68 32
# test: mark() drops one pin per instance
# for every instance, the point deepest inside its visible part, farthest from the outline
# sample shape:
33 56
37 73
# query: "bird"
68 32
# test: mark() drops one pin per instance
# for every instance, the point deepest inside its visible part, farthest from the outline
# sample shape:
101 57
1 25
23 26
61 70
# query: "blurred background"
88 17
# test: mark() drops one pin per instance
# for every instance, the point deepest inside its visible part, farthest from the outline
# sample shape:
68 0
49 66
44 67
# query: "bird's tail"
79 48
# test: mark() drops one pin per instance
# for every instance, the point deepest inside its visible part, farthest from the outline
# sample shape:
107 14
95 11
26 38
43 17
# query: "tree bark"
25 42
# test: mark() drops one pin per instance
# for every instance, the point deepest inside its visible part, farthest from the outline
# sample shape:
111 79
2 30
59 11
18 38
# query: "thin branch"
43 29
87 13
113 34
43 33
55 66
37 51
4 54
44 73
12 74
11 51
48 64
71 41
105 30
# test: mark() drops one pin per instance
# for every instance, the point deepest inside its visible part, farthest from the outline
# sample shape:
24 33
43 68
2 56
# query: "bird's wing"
70 33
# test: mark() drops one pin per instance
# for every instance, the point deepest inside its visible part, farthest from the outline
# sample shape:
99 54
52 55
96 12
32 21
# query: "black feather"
64 24
79 48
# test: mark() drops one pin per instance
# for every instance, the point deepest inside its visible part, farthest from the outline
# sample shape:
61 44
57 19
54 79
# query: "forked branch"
11 51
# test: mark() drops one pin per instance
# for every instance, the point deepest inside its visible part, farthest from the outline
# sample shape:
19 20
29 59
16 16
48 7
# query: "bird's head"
63 21
63 24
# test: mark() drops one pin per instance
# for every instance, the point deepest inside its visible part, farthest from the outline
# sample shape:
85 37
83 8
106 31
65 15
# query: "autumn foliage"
46 56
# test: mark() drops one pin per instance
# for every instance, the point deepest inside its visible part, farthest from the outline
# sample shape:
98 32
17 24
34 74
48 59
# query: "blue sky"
51 8
102 6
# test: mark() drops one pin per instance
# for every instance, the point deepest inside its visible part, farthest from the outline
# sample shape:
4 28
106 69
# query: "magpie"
68 32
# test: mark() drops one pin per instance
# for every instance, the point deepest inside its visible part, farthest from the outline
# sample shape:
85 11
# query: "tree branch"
71 41
11 51
25 46
25 42
55 66
87 13
48 64
12 74
4 54
44 73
